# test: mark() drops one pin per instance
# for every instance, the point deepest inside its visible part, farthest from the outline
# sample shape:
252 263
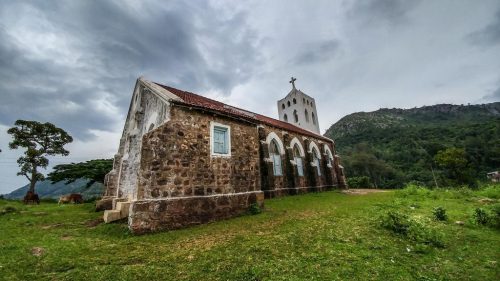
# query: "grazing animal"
31 198
74 198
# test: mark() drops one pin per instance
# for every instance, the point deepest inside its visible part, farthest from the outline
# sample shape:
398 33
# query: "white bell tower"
299 109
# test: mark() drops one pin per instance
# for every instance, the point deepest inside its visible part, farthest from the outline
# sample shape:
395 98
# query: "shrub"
481 216
8 209
359 182
396 222
254 209
490 191
440 214
413 190
495 217
414 230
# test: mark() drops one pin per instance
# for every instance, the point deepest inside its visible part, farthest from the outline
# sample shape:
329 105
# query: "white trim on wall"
314 145
273 135
301 149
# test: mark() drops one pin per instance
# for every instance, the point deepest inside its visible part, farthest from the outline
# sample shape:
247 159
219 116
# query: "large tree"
93 170
39 140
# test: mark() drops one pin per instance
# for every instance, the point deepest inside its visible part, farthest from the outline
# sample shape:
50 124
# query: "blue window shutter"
300 170
277 164
221 140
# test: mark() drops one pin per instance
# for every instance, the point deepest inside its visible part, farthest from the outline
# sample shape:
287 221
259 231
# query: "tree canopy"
94 170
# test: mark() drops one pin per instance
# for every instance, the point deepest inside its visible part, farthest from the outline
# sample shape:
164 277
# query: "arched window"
329 156
307 115
288 103
313 118
304 100
312 104
294 101
316 160
285 117
283 106
274 153
298 160
295 116
307 102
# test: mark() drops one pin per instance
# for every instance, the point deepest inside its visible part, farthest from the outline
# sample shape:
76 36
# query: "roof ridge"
194 99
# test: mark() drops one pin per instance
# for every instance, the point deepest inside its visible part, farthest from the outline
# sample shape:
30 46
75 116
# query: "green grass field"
324 236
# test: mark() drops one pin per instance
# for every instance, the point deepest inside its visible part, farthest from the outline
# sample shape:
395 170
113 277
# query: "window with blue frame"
220 140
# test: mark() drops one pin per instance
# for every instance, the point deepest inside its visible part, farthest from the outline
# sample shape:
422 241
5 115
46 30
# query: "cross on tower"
293 82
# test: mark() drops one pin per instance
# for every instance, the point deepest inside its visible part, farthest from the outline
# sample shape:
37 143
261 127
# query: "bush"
396 222
491 191
254 209
440 214
413 190
495 209
8 209
481 216
359 182
414 230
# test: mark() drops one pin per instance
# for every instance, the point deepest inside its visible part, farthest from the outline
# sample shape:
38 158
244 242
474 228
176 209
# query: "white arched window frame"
276 149
298 155
316 156
329 156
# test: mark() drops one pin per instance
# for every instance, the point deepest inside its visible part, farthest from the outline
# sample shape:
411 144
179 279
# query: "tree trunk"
33 180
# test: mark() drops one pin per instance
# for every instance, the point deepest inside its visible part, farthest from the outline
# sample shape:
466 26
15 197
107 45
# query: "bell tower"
299 109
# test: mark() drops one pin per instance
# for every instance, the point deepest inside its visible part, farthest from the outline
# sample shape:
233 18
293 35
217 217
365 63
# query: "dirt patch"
363 191
52 226
66 237
37 251
93 223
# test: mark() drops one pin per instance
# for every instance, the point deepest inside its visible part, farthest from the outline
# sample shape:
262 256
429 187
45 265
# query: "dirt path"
362 191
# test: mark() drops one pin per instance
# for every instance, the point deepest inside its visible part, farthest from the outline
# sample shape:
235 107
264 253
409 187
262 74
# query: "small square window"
220 140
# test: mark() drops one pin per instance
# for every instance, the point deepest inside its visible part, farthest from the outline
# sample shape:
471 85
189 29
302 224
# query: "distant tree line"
452 155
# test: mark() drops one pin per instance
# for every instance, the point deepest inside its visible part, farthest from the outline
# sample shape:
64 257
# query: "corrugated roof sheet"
195 100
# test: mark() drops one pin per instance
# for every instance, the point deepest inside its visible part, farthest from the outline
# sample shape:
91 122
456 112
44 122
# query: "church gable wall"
177 161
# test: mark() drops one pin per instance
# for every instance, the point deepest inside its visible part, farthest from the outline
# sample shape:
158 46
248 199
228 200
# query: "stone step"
116 200
111 215
123 207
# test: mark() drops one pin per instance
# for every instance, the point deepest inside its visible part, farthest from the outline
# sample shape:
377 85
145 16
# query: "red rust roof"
195 100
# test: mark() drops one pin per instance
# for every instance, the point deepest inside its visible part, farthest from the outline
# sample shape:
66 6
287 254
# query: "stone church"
185 159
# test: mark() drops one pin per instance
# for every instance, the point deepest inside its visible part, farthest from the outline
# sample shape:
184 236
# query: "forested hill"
395 146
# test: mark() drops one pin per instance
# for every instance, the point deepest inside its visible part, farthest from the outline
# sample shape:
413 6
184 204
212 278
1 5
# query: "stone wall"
173 213
176 159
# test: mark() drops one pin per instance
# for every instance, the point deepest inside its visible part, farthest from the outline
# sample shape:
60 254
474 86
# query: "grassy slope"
326 236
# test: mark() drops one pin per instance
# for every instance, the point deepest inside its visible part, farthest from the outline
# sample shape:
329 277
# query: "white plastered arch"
296 141
273 136
313 145
328 152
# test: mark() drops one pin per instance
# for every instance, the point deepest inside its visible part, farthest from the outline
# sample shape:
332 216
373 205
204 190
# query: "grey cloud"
382 11
493 97
489 35
322 51
112 46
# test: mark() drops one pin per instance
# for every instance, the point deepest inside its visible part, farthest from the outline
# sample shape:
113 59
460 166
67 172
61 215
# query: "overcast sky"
74 63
